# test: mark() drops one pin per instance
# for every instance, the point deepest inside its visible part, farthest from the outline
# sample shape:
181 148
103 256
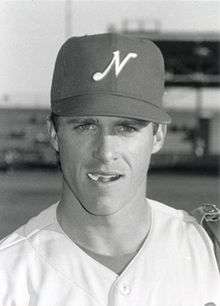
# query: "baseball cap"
109 75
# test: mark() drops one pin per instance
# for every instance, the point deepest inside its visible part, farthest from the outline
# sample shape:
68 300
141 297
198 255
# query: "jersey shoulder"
182 227
19 237
171 212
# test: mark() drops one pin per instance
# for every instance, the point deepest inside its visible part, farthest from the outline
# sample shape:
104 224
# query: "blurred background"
185 173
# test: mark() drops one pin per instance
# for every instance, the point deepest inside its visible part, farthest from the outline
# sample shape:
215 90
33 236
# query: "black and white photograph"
109 153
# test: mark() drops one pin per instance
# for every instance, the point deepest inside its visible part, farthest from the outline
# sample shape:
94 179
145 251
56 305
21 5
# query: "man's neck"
112 235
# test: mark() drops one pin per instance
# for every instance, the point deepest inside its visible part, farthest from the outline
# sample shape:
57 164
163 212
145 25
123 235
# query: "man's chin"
103 206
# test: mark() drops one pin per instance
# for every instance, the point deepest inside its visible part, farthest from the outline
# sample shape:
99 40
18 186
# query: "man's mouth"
104 177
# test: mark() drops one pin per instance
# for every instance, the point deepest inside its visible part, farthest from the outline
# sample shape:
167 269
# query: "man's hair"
55 120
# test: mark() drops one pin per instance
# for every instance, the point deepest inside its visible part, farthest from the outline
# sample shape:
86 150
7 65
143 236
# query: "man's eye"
126 129
85 127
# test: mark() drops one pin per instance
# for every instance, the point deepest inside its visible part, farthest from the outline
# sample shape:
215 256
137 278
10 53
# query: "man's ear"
159 138
52 134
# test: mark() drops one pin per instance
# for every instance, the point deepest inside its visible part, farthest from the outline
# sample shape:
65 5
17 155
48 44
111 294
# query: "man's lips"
104 177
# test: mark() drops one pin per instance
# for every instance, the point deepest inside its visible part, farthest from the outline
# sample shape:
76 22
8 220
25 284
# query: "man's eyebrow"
128 121
80 120
133 121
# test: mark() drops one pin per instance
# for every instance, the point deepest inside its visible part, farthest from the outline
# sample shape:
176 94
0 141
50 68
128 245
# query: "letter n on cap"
98 76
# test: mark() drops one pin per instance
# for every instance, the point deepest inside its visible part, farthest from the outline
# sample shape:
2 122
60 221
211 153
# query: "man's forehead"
103 119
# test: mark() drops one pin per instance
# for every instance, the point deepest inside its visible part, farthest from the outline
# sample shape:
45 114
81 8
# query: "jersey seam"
63 276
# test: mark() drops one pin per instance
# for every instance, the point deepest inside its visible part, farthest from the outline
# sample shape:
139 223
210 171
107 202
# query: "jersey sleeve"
208 216
15 261
199 248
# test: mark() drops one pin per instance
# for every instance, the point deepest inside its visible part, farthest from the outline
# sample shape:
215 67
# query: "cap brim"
110 105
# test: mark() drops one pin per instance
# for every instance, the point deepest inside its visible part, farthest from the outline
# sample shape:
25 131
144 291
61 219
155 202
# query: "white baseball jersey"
176 266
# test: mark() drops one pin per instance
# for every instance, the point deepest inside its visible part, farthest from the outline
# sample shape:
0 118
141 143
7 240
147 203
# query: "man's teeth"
93 177
103 177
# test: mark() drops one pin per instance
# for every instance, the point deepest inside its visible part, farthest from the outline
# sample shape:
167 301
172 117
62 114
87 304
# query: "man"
105 243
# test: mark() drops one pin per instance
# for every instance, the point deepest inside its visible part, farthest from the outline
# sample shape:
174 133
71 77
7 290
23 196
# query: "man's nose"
105 148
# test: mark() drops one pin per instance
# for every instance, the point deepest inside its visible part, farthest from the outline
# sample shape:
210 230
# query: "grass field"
24 194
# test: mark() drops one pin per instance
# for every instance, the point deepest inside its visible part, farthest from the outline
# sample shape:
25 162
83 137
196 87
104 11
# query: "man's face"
105 160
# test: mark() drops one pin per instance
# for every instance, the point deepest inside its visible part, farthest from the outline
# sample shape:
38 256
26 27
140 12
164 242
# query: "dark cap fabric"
109 75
